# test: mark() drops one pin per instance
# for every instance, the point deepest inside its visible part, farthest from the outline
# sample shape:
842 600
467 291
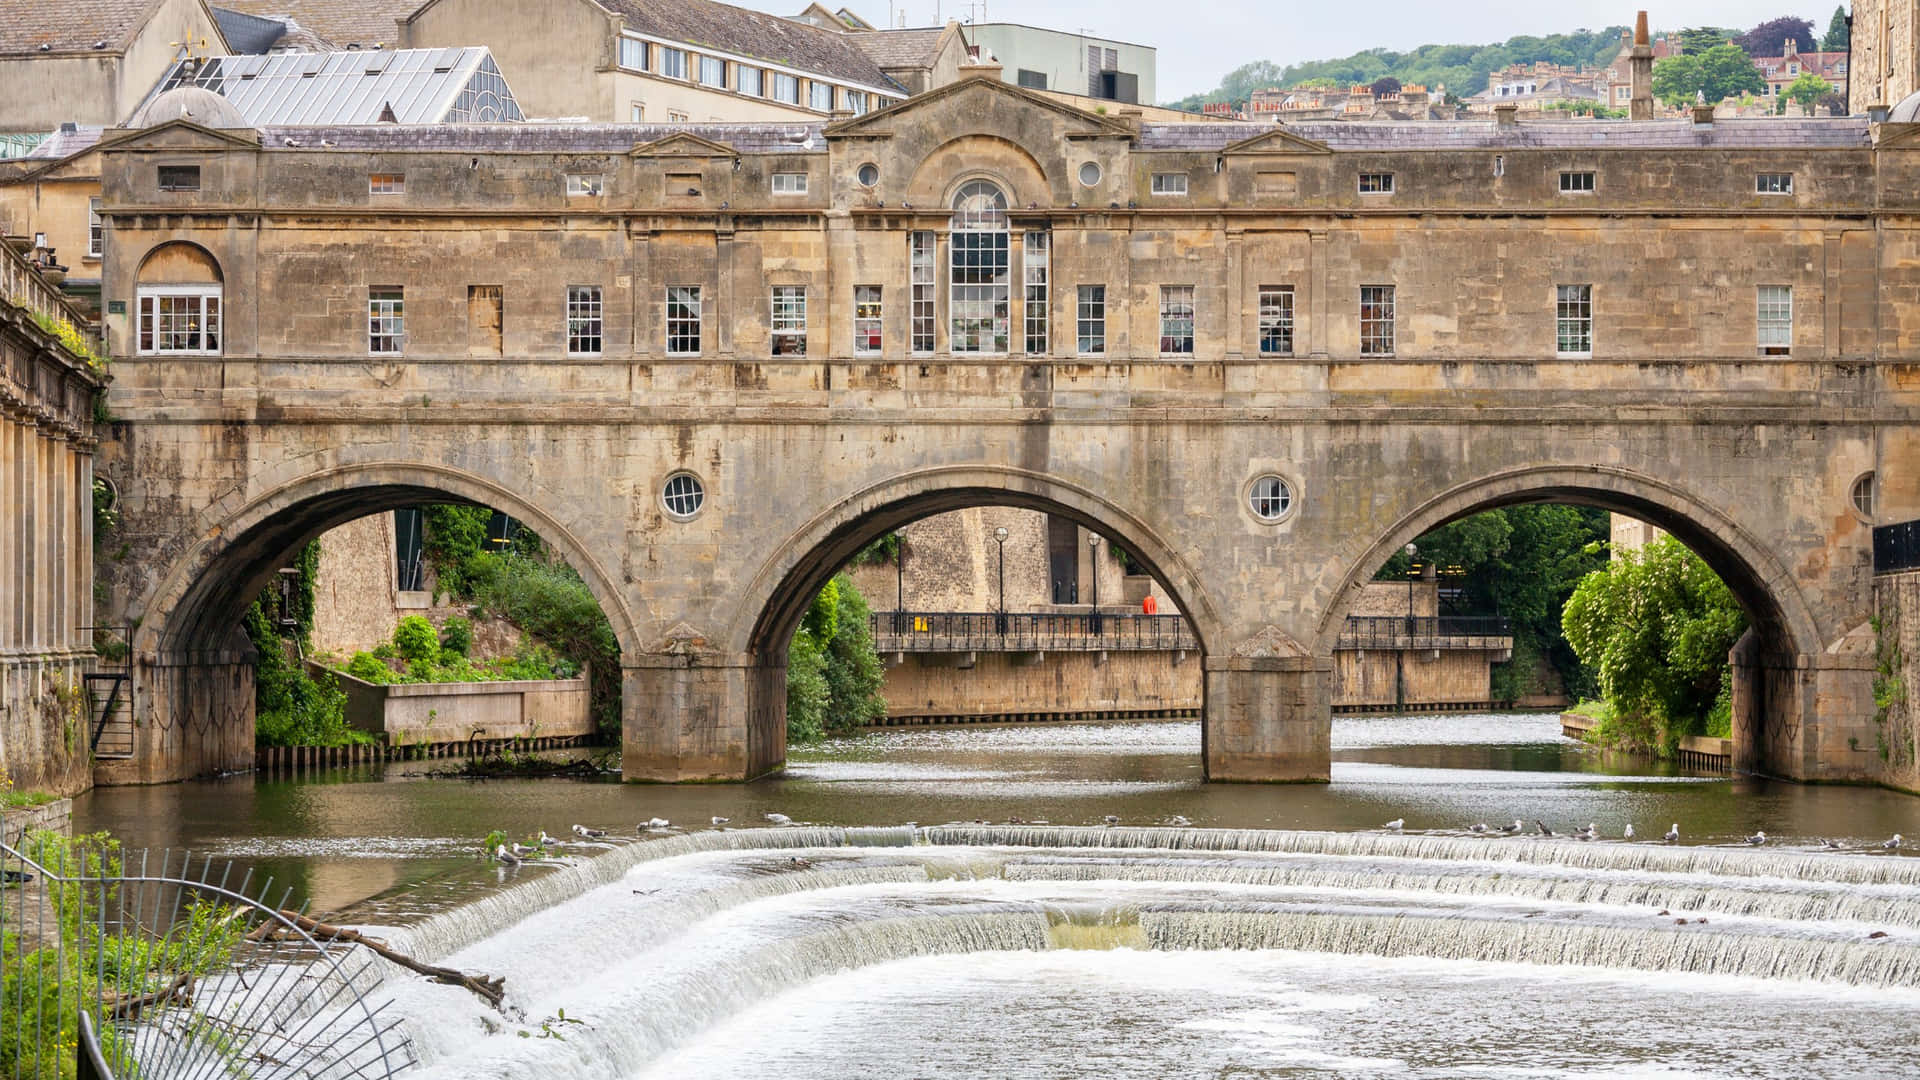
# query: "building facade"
91 62
1884 43
1041 59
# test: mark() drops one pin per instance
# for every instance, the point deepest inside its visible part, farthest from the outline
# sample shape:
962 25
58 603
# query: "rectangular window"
180 319
1276 320
584 326
633 54
638 113
1774 183
1032 80
95 232
979 304
1376 320
713 71
676 118
786 88
866 319
179 177
1376 183
586 184
673 62
789 320
820 96
1169 183
1573 320
1035 310
387 183
857 102
749 79
1574 183
789 183
1090 320
683 320
1176 320
921 271
1776 320
386 320
484 320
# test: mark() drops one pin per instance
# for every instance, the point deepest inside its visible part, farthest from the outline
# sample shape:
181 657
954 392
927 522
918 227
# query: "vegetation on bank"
12 798
418 653
291 707
1655 626
833 673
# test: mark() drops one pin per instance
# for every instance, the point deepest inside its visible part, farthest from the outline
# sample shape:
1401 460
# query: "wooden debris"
492 988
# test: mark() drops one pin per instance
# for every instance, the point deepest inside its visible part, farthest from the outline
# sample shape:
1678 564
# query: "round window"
683 496
1270 498
1862 495
868 174
1090 174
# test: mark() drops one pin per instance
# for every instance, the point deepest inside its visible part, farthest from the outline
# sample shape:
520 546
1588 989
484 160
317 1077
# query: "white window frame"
1090 320
1169 183
637 113
672 62
789 183
923 302
1773 317
980 275
715 67
676 327
785 82
1376 183
1377 330
857 102
787 320
1276 319
1036 262
386 320
1573 320
1773 183
204 302
1178 309
740 73
867 311
586 184
633 54
1578 182
96 229
387 183
586 321
814 90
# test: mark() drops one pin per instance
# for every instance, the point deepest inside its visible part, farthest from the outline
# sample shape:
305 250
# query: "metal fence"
131 965
1419 631
988 631
1896 548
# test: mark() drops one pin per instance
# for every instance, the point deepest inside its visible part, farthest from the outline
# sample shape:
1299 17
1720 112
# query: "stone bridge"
984 298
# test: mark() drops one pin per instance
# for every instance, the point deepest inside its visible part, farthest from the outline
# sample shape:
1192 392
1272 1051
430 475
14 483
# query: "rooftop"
247 33
33 27
755 35
898 48
346 23
418 86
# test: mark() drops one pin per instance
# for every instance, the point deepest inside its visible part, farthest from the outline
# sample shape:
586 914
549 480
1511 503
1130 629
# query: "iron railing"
1896 548
1421 631
989 631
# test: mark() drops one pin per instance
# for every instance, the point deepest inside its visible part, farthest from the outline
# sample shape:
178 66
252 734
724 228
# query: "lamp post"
1000 621
1400 655
1093 555
1411 552
899 578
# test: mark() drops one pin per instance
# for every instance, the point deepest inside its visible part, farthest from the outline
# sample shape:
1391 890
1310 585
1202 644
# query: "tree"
1698 39
1385 84
1835 103
1655 625
1770 37
1678 79
1837 39
1808 89
1728 72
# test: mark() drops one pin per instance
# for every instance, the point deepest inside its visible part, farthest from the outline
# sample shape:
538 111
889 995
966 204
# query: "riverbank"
1702 752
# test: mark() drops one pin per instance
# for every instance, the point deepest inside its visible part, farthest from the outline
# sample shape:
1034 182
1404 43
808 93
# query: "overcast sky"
1200 41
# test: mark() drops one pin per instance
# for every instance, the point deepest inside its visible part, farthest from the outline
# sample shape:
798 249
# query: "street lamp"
899 578
1093 554
1411 552
1000 538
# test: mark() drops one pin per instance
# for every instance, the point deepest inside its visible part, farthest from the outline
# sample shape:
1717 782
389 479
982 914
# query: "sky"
1212 37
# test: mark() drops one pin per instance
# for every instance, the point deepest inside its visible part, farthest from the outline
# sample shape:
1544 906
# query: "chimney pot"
1506 115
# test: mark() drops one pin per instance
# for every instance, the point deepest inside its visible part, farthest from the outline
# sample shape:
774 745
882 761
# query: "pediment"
683 145
1277 141
880 124
179 135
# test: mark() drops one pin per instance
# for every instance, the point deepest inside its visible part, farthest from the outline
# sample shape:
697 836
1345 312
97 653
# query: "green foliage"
833 674
291 707
415 639
550 601
106 516
1714 74
1770 37
1808 89
1698 39
456 637
71 339
1679 80
1837 36
1656 626
369 668
454 534
1464 69
884 550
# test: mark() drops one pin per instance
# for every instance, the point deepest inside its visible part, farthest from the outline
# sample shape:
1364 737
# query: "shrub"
807 691
833 674
456 637
369 668
415 640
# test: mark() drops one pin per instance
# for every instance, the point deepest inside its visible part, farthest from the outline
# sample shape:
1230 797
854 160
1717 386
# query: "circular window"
868 174
1862 495
1090 174
1270 497
683 496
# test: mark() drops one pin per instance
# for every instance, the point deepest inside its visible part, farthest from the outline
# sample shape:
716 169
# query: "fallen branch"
490 987
179 991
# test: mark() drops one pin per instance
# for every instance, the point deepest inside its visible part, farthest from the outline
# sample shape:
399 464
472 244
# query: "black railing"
1896 548
988 631
1401 631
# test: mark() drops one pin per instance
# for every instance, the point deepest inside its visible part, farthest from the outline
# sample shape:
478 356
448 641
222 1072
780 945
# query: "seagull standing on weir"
1587 833
1513 828
509 858
591 834
1396 824
1893 844
779 819
1477 829
1629 833
1544 831
1759 837
547 841
1673 834
718 820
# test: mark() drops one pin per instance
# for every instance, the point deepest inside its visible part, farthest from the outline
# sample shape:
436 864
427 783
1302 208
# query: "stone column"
193 717
691 717
1268 719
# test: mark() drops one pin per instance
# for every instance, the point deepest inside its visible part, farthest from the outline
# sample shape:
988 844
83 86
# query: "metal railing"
1421 631
989 631
1896 548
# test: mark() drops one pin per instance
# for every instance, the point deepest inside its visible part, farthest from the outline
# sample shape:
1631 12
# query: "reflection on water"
352 834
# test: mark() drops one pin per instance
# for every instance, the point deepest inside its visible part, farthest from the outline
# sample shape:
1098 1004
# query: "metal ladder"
110 695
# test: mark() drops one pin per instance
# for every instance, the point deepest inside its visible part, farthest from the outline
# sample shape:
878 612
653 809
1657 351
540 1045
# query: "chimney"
1640 72
1131 118
1506 116
1702 115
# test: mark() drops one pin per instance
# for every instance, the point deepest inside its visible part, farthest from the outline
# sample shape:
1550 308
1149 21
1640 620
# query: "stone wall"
1884 65
1371 678
1897 680
354 602
1060 683
56 816
405 714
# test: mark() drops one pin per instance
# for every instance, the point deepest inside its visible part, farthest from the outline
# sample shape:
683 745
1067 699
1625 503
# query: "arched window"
980 244
178 302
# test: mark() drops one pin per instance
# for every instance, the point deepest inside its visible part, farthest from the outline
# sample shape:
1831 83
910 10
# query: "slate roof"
30 27
898 48
248 33
547 138
65 143
754 34
362 23
1759 133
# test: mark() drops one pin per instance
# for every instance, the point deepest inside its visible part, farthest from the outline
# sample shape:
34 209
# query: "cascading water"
654 944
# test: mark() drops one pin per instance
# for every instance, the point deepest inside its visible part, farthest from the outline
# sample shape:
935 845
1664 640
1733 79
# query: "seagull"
1179 821
1544 831
1629 833
779 819
720 820
523 850
1673 834
1396 824
1479 828
1831 845
799 863
658 823
1587 833
1513 828
1759 837
591 834
291 141
1893 844
506 856
1112 819
546 840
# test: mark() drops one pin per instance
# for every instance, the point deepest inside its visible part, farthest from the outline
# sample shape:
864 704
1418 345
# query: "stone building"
92 61
1884 63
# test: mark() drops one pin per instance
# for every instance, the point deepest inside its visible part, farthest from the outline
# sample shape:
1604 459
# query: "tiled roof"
65 143
362 23
547 138
1767 133
898 48
753 34
29 27
248 33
